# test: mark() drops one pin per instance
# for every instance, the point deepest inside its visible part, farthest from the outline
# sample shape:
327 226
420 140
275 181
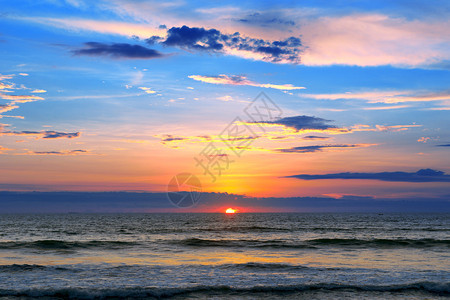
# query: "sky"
323 99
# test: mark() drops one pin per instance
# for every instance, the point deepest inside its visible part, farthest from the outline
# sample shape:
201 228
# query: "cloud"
320 148
39 91
423 139
3 77
63 152
387 97
14 117
392 128
444 145
365 39
7 107
225 98
386 107
314 137
44 134
265 20
105 27
327 37
423 175
242 80
171 138
194 38
117 50
212 40
3 149
20 98
302 124
58 135
147 90
6 86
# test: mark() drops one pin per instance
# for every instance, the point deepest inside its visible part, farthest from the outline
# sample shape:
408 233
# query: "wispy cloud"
394 128
44 134
320 148
423 175
20 98
7 107
386 107
242 80
63 152
107 27
3 149
292 127
387 97
423 139
315 137
38 91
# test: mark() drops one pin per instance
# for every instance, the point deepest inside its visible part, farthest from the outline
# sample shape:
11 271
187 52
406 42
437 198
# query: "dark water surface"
242 256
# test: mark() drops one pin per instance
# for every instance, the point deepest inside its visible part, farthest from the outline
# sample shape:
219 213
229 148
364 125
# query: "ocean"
218 256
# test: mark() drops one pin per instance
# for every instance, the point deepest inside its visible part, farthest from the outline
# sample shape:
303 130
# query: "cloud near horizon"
28 200
242 80
423 175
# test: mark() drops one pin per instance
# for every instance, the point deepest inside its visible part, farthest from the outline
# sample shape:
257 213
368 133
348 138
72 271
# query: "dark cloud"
194 38
423 175
58 135
303 123
171 138
315 148
265 20
315 137
44 134
69 152
444 145
153 40
117 50
212 40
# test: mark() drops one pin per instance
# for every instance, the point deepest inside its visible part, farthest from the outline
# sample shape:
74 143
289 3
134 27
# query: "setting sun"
230 211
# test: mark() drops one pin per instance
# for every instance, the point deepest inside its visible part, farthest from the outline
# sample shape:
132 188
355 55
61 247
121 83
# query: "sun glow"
230 211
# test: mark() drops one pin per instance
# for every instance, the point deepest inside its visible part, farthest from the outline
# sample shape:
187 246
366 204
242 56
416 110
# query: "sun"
230 211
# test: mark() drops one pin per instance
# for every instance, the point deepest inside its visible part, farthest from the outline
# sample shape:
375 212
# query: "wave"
196 242
247 229
315 243
28 268
65 245
433 288
414 243
263 266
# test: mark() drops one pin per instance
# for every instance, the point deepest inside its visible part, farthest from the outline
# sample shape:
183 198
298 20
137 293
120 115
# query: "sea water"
219 256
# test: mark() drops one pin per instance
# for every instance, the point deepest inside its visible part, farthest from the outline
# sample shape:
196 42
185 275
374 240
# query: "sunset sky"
123 95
